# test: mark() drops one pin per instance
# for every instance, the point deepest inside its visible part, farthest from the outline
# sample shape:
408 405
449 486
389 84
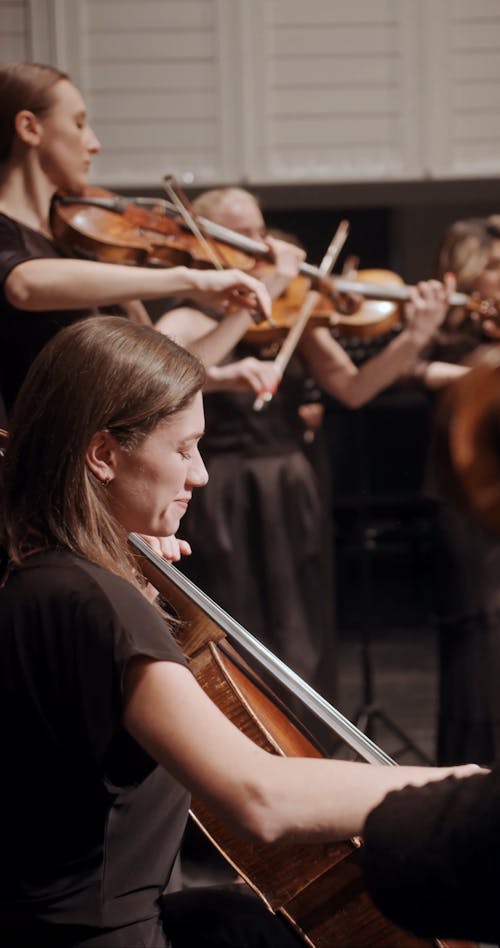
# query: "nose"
198 474
93 143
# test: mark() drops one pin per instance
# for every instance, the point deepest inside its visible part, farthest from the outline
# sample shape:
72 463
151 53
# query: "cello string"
271 663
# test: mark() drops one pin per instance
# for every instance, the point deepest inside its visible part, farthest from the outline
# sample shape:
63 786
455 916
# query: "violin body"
370 318
285 310
100 225
317 888
373 317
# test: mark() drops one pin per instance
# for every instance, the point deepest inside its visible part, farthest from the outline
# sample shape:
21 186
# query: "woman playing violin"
262 513
104 728
46 145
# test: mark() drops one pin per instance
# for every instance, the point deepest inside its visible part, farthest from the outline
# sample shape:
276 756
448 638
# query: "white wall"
270 92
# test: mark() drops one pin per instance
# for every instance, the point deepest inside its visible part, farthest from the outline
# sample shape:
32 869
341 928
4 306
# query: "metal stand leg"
370 712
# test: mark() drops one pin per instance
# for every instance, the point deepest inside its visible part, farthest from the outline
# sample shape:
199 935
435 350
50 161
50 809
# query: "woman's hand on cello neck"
171 548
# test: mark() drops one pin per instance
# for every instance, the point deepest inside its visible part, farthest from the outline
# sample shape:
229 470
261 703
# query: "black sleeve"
112 623
17 246
432 858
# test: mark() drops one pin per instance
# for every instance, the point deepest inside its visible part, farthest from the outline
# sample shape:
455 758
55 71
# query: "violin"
364 321
317 888
100 225
284 313
373 317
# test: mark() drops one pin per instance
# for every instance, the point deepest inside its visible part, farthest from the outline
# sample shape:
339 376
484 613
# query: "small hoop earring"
106 481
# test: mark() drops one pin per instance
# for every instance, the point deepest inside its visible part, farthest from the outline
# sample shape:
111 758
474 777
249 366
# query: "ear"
101 456
28 127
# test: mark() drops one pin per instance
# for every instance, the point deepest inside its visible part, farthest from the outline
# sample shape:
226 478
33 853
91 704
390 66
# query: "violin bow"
186 211
292 338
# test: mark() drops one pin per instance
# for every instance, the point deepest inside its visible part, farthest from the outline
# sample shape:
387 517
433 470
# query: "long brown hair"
100 373
24 86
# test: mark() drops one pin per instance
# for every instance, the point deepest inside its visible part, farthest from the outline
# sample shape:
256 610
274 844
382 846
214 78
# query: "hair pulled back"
24 86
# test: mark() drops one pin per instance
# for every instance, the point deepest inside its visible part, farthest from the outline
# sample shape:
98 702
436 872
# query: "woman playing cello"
103 725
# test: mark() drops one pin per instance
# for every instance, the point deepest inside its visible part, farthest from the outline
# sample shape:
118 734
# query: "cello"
318 889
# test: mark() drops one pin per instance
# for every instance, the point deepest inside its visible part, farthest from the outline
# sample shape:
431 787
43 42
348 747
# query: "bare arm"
57 284
436 374
334 371
264 796
209 339
137 312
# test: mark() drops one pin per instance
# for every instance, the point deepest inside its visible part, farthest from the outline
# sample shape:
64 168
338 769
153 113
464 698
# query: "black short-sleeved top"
24 333
91 824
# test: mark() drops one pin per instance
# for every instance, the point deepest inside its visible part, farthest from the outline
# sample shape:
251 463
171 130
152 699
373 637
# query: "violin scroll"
484 312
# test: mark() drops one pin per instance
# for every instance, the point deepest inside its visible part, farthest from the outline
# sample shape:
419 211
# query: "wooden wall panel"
14 33
276 92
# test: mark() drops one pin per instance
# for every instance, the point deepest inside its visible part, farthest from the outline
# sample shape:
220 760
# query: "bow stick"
293 337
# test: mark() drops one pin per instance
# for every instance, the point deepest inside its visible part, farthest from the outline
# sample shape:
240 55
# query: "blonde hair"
210 203
465 249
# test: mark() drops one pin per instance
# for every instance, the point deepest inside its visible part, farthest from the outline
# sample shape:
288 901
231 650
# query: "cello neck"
161 574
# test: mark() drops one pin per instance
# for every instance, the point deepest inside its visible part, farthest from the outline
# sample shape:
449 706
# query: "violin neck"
397 293
371 291
255 248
